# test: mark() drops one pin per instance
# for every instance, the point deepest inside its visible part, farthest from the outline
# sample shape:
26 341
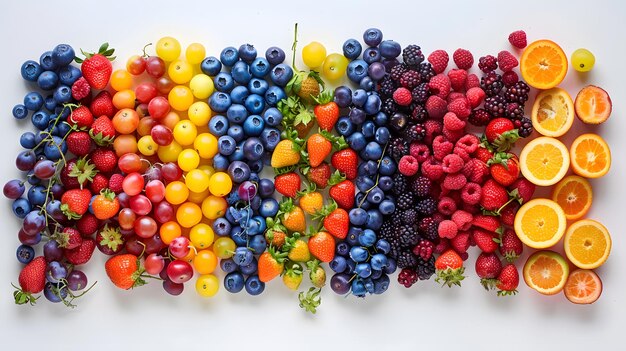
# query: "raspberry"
440 85
441 148
439 60
454 181
452 122
446 206
80 89
480 117
115 183
460 243
472 82
469 143
432 169
473 209
462 219
87 224
507 61
487 63
518 39
436 107
457 77
510 78
460 151
442 246
475 96
463 59
461 108
408 165
402 96
470 194
454 95
420 151
447 229
452 163
475 170
453 135
433 128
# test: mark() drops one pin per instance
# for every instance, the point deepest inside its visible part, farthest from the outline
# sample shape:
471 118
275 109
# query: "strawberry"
81 89
288 184
80 117
102 105
485 240
488 267
449 266
346 162
494 196
87 224
69 238
115 183
292 275
511 246
311 201
483 153
504 168
461 242
97 67
342 191
32 280
326 111
276 236
78 143
501 133
318 148
319 175
104 159
102 131
81 254
337 222
507 215
298 250
286 153
109 240
306 85
125 271
75 202
99 183
292 216
490 223
271 264
322 246
508 280
76 172
522 189
105 205
317 274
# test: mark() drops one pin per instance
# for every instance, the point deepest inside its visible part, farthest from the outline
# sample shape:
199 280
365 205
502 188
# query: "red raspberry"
439 60
432 169
446 206
402 96
457 77
420 151
475 96
452 122
115 183
475 170
462 219
473 209
518 39
447 229
461 108
470 194
463 59
408 165
454 181
469 143
472 82
460 151
441 148
507 61
460 243
436 107
452 163
454 95
438 218
509 78
442 246
453 135
439 85
433 128
80 89
87 224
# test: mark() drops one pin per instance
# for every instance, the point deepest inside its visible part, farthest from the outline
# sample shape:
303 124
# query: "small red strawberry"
81 254
80 117
488 267
78 143
490 223
494 196
346 161
507 215
319 175
115 183
501 133
75 202
318 148
32 280
76 173
80 89
511 246
288 184
336 221
109 240
97 67
87 224
102 105
449 268
99 183
102 131
69 238
484 154
342 191
504 168
508 280
522 189
486 241
461 242
104 159
326 111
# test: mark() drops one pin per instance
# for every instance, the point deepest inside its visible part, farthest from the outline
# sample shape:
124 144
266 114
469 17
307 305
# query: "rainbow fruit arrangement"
406 164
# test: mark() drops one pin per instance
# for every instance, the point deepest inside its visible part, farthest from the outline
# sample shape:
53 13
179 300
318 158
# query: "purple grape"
57 191
28 239
53 293
153 173
52 251
44 169
247 190
76 280
34 223
13 189
54 210
376 71
25 160
55 271
172 288
340 283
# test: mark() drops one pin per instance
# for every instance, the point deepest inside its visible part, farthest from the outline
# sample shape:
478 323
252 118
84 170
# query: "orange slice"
544 161
583 287
574 195
540 223
590 155
543 64
546 271
587 244
553 112
593 105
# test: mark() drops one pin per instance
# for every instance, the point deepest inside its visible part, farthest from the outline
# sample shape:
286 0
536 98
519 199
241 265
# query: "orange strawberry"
322 246
318 148
75 202
311 201
292 276
96 67
326 111
292 216
288 184
286 153
275 234
271 264
449 268
32 280
125 271
105 205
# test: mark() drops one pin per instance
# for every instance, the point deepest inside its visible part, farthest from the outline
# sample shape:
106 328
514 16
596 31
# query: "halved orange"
553 112
574 195
593 105
583 287
546 271
543 64
590 155
544 161
587 244
540 223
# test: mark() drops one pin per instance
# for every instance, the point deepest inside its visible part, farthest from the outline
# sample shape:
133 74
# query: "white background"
423 316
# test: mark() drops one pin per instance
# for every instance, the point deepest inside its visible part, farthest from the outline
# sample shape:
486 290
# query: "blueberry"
31 70
363 270
228 265
229 214
233 282
342 248
211 66
239 171
382 246
381 284
46 62
47 80
374 219
27 140
379 261
25 253
387 166
219 102
269 207
254 286
372 36
368 128
218 125
62 94
343 96
229 56
367 238
255 202
253 148
364 183
376 274
381 119
239 94
62 55
351 49
255 104
224 82
371 55
376 195
373 150
40 119
338 264
275 55
357 141
385 183
256 225
344 126
391 266
351 266
253 126
376 71
260 67
281 74
390 49
372 105
258 86
367 84
265 188
33 101
237 155
226 145
382 135
20 111
361 198
221 227
239 237
358 288
359 254
340 283
353 236
358 216
250 268
241 73
237 113
258 242
247 52
272 117
273 95
68 75
356 115
359 97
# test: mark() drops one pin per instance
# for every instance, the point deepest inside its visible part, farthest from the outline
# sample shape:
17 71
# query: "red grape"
155 190
140 204
172 288
154 264
123 198
164 85
129 163
126 218
134 247
154 244
142 110
133 184
44 169
158 107
152 173
171 172
164 212
179 271
136 65
161 135
155 66
179 247
145 92
145 227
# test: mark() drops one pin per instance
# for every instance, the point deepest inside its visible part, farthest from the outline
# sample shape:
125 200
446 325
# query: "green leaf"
103 47
310 300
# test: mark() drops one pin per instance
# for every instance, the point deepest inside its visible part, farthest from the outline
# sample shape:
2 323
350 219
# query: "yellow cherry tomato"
195 53
206 145
214 207
124 99
121 79
185 132
176 192
208 169
191 255
168 49
313 54
335 66
180 71
197 198
220 184
188 215
197 180
201 86
169 153
188 159
207 285
201 236
199 113
147 146
170 120
169 231
180 98
205 262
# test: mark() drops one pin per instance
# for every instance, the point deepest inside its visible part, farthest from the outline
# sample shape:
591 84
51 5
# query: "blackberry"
495 105
425 268
387 86
405 201
418 114
408 236
420 93
387 230
488 63
429 229
426 71
480 117
526 127
424 249
407 277
410 79
421 186
518 92
426 206
397 71
400 185
412 55
491 83
406 259
389 106
409 217
396 247
415 133
398 148
514 111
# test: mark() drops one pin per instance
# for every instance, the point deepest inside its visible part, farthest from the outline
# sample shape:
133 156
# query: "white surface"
424 315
